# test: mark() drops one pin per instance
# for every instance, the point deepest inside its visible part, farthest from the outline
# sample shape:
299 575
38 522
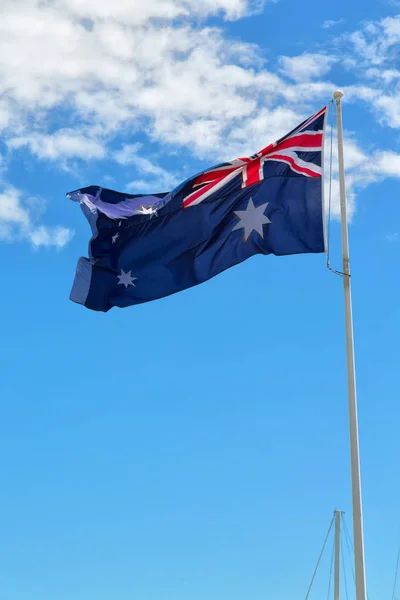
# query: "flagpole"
351 376
336 593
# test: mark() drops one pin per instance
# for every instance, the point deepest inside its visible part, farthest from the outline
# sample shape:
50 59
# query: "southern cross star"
126 279
252 219
114 237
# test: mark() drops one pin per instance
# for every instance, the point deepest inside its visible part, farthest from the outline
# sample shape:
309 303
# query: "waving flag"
146 247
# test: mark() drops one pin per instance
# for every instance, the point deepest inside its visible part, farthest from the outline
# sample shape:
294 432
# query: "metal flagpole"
338 515
351 376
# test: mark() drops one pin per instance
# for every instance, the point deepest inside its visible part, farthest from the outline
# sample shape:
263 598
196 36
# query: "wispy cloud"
362 170
377 41
157 179
18 221
332 23
373 53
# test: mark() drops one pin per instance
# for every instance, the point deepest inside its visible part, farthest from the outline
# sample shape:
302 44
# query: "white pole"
351 376
338 515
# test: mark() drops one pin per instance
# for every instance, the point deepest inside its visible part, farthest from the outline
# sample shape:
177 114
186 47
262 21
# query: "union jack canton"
300 150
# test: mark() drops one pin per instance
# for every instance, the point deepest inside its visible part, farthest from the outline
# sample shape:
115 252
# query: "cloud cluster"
143 65
362 170
79 79
111 64
374 54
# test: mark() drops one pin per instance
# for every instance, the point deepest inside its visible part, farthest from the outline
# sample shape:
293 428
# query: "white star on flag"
147 210
252 219
114 237
126 279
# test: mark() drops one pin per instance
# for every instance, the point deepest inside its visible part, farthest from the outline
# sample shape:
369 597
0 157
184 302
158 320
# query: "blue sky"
194 447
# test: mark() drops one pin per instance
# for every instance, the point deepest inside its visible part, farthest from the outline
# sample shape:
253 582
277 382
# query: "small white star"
252 219
114 237
126 279
147 210
119 224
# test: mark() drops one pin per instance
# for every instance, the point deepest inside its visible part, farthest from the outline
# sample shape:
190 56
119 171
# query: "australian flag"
146 247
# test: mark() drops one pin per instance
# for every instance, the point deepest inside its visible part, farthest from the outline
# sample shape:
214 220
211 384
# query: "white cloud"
372 54
50 236
138 12
389 105
18 222
62 144
386 164
386 75
306 66
377 41
332 23
362 169
11 210
319 91
110 66
157 178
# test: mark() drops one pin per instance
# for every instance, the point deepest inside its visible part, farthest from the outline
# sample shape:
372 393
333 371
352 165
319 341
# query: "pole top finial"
338 95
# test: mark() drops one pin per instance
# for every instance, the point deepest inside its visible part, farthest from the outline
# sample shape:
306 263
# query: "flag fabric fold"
145 247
